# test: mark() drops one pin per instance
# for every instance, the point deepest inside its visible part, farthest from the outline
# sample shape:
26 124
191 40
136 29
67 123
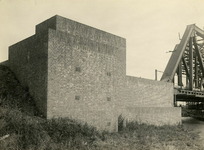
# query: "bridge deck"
189 96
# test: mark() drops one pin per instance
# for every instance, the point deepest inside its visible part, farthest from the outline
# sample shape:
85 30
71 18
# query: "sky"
151 27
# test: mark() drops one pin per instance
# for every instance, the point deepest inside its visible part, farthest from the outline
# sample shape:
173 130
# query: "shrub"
13 94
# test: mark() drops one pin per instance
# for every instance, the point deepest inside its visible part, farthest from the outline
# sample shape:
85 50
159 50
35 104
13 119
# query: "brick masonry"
74 70
28 60
141 92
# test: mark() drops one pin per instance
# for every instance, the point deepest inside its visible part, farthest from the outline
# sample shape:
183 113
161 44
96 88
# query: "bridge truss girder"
187 60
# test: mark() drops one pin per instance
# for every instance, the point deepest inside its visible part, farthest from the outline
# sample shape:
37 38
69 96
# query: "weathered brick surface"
77 71
93 83
99 118
141 92
81 30
28 60
45 25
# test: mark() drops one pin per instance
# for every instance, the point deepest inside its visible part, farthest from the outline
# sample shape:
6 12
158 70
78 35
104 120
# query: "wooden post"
156 74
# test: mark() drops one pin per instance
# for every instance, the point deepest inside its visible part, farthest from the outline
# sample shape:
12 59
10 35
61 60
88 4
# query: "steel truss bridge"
186 65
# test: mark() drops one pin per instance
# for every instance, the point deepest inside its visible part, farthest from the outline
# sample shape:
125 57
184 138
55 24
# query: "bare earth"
196 126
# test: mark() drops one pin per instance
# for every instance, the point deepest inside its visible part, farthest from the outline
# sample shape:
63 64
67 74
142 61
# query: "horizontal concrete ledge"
153 115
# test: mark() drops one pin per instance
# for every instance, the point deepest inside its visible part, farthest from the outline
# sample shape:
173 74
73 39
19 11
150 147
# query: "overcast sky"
150 26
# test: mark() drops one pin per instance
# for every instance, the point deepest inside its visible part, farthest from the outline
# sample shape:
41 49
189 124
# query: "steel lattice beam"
187 59
177 55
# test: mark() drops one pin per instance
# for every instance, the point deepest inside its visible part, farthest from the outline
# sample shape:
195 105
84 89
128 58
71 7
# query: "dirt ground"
196 126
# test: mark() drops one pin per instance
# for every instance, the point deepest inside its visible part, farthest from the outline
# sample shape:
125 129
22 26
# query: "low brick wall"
153 115
140 92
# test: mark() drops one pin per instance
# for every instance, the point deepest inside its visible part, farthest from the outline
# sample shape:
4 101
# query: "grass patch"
30 132
13 95
37 133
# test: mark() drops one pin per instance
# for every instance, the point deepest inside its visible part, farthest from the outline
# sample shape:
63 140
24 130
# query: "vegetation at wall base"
22 129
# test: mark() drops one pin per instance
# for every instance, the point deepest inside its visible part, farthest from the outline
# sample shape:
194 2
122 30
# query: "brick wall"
28 60
78 29
77 71
99 118
141 92
101 65
45 25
